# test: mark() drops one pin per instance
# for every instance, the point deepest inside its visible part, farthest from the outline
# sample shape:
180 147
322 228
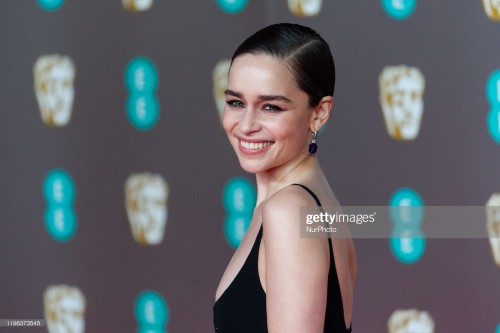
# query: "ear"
321 113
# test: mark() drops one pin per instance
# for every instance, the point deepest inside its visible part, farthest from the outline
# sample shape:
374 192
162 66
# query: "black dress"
242 306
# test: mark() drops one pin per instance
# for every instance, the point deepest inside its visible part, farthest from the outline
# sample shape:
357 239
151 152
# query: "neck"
296 171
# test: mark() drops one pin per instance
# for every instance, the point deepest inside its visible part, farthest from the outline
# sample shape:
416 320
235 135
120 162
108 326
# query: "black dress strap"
329 243
310 192
242 306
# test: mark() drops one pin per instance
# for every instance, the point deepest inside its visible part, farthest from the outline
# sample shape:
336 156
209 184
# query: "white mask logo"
64 309
54 87
146 198
401 98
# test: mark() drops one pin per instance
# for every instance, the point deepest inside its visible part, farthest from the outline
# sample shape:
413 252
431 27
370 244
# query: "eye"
235 103
272 108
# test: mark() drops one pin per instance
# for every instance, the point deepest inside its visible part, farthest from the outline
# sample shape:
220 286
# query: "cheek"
228 121
293 132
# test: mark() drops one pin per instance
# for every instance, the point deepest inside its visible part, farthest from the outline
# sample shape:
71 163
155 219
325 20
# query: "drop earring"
313 147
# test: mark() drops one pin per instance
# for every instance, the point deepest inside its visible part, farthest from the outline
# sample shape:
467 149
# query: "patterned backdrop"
122 201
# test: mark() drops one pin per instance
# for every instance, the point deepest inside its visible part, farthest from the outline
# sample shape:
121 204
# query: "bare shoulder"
281 219
296 268
285 204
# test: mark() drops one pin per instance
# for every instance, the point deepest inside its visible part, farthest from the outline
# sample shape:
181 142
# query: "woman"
279 95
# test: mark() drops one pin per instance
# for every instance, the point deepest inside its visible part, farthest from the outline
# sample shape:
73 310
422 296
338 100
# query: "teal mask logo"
493 96
141 82
494 124
407 245
59 194
143 110
58 188
151 312
498 328
493 88
407 240
235 227
232 6
141 76
50 5
399 9
145 329
238 198
60 222
406 208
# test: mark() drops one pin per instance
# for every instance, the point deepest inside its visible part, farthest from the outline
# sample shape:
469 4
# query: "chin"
252 166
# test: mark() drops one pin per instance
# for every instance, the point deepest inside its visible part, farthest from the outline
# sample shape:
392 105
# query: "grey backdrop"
452 162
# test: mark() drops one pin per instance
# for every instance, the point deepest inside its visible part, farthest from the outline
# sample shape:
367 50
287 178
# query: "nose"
249 121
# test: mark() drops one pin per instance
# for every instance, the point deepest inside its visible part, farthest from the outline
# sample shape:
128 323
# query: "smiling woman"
265 110
279 94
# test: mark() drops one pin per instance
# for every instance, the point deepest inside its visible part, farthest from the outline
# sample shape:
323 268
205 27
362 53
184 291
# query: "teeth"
253 145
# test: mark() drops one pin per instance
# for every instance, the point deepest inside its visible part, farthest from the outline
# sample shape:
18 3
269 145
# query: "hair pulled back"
305 52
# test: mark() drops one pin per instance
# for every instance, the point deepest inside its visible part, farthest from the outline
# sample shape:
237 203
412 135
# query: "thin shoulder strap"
329 242
310 192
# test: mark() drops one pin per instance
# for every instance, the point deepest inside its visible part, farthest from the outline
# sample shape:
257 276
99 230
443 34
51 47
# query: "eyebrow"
260 97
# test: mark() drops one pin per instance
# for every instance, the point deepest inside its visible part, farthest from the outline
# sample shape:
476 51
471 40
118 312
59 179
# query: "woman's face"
266 117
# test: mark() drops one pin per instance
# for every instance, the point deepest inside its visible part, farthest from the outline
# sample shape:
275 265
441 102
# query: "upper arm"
296 268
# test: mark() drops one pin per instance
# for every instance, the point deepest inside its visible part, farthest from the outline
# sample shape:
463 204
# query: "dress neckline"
258 237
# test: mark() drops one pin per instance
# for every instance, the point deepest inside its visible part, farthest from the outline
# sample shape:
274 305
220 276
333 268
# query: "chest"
239 257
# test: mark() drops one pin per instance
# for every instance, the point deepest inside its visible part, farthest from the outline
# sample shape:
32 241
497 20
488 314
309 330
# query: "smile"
255 145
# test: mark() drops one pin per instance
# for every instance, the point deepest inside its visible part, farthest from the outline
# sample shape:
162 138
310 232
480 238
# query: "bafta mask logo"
137 5
492 9
146 198
410 321
305 7
401 98
493 225
64 309
219 79
54 87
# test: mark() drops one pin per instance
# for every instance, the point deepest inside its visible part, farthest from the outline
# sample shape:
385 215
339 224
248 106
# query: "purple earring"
313 147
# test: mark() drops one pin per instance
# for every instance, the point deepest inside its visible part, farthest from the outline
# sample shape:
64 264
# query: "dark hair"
305 52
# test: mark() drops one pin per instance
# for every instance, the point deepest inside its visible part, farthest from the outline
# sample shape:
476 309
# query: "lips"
254 146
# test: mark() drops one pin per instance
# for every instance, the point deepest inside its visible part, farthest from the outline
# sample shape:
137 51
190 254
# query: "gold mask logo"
401 98
304 7
493 225
64 309
492 9
410 321
219 79
137 5
54 87
146 198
